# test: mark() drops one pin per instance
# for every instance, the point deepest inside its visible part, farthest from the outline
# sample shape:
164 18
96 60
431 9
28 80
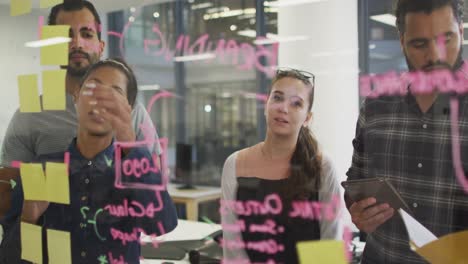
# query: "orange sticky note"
34 182
323 252
57 182
49 3
53 88
59 247
28 94
20 7
55 54
31 243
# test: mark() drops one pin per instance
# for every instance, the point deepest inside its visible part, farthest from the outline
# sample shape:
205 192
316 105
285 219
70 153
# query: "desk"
192 198
185 230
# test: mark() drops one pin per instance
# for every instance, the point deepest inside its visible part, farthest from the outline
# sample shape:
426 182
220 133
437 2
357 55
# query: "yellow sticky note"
28 94
57 182
59 247
323 252
49 3
20 7
53 90
31 243
34 182
56 54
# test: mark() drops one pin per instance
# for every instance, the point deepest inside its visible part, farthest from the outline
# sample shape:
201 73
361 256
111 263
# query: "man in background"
407 139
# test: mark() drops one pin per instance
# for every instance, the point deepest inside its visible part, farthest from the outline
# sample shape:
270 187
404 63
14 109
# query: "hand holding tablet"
380 188
375 201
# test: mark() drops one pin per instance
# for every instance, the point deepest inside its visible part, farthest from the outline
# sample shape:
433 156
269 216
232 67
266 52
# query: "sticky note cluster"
53 81
58 245
54 93
52 187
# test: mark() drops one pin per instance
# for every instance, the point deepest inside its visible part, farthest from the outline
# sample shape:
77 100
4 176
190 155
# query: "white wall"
15 59
331 54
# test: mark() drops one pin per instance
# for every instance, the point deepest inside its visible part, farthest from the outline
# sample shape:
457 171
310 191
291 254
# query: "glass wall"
205 55
80 170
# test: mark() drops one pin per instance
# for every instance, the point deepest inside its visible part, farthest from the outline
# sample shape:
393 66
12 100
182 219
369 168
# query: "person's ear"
102 45
308 119
76 96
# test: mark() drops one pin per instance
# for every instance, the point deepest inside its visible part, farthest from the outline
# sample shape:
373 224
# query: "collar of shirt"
102 160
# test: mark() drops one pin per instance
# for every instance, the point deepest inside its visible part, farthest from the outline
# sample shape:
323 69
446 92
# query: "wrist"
126 136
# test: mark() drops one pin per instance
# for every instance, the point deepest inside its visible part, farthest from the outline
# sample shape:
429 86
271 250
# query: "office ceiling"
105 5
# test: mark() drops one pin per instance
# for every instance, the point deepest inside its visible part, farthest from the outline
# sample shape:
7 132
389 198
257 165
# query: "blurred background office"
215 60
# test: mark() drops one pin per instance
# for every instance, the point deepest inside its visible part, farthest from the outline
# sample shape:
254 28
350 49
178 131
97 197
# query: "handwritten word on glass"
244 55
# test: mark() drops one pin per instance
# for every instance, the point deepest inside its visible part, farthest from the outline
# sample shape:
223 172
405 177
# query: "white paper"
417 233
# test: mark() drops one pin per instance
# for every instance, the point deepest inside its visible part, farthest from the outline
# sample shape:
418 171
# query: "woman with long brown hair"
282 190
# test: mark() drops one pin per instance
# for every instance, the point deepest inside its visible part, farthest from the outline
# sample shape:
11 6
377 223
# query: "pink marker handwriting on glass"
137 168
148 130
119 260
456 156
40 23
134 209
419 82
347 237
442 47
244 55
444 81
268 246
316 210
16 164
269 226
125 237
271 205
122 184
134 236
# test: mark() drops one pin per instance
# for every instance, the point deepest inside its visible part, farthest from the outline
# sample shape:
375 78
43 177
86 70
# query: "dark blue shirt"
105 221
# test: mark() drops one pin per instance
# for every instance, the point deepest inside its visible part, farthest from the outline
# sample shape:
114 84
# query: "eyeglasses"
304 76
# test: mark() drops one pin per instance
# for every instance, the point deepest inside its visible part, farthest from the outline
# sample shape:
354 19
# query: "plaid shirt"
394 139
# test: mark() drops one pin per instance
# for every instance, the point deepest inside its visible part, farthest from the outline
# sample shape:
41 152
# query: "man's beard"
428 67
80 71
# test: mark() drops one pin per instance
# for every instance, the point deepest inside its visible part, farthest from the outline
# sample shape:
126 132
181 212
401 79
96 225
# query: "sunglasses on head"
299 74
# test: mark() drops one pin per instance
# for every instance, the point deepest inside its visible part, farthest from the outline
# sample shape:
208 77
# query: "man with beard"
33 134
408 139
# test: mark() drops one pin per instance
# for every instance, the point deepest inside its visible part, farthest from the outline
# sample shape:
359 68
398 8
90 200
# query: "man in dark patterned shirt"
407 139
120 207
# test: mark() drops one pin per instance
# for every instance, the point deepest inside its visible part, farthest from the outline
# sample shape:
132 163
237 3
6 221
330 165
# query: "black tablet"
380 188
